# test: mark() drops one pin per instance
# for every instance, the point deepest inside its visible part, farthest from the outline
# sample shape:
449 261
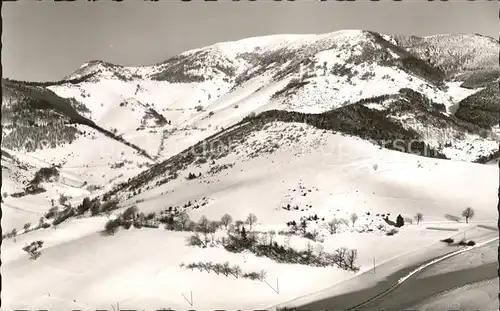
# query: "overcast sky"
47 40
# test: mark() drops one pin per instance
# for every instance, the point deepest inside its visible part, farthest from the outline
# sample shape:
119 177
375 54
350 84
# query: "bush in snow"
448 241
334 225
224 269
84 206
65 214
130 213
278 253
112 226
108 206
393 231
33 249
195 240
311 235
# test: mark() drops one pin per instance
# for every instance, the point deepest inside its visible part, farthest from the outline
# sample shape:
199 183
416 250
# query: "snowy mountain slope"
163 109
303 128
344 175
307 73
91 166
458 55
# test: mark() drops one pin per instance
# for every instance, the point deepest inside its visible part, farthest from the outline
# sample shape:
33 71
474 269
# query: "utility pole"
373 265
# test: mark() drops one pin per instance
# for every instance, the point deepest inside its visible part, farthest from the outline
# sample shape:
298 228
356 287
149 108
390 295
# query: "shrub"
108 206
65 214
393 231
195 240
52 212
313 235
33 249
471 243
130 213
85 206
333 225
112 226
462 243
448 240
252 276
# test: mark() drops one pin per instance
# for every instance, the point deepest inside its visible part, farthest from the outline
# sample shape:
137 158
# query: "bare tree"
309 248
264 238
333 225
419 217
183 220
239 224
251 220
340 256
320 250
272 234
212 227
262 275
226 220
350 259
353 218
468 213
204 227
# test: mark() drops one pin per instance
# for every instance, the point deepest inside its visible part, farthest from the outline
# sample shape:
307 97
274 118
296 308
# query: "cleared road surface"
408 294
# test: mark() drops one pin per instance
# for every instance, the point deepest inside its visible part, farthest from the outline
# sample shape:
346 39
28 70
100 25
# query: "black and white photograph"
250 155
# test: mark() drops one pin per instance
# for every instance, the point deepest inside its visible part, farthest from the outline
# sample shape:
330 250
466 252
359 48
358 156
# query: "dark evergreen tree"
400 221
243 233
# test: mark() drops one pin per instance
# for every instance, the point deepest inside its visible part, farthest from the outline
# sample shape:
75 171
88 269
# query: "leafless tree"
251 220
204 227
353 218
350 259
272 234
419 217
468 213
226 220
183 220
333 225
309 248
212 227
340 256
239 224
